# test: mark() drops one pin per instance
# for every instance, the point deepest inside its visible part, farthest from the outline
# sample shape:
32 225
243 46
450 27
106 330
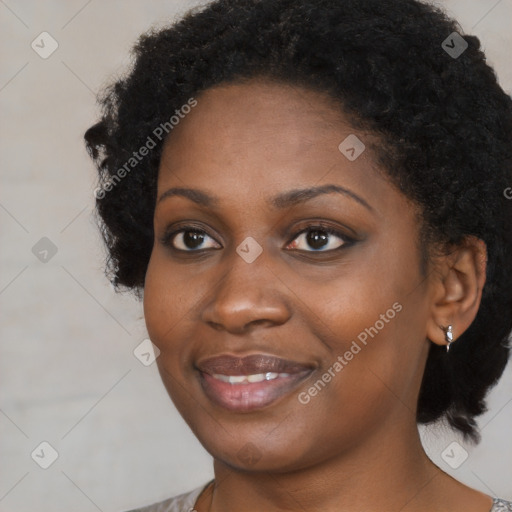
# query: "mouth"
243 384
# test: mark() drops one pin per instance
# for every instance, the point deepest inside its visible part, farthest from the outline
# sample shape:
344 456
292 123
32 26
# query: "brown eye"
188 240
319 239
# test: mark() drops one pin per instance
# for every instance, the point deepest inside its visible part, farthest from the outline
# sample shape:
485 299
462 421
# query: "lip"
227 364
283 376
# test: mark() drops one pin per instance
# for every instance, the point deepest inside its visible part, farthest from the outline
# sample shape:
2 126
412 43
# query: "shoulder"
181 503
500 505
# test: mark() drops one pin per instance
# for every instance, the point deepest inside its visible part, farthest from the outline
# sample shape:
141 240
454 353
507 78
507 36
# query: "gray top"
185 503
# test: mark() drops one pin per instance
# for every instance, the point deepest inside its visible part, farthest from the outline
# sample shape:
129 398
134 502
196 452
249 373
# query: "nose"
248 294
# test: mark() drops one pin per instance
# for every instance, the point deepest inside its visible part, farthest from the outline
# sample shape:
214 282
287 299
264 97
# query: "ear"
457 289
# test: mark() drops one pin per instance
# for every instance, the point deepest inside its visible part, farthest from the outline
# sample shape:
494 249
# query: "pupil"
313 239
194 240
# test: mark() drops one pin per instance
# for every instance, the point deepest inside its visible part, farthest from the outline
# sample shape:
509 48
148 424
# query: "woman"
310 198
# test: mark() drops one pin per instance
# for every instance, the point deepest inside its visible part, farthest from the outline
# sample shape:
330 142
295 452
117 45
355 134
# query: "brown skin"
244 144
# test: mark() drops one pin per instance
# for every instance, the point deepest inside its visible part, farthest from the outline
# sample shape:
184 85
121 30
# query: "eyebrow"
280 201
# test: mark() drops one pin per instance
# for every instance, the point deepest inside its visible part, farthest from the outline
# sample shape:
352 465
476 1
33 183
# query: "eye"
320 238
188 239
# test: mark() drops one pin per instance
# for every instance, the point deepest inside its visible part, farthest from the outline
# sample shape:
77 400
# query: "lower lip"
250 396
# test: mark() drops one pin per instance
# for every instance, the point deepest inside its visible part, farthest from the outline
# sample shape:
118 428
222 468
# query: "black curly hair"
443 122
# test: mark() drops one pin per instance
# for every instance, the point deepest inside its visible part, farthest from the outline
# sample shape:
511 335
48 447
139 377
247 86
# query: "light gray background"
68 372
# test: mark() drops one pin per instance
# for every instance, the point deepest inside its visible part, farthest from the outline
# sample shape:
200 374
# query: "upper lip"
226 364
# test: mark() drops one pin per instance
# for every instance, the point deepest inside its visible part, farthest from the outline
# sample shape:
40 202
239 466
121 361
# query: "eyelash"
167 239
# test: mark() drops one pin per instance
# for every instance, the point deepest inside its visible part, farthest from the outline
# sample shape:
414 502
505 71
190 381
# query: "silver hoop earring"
448 334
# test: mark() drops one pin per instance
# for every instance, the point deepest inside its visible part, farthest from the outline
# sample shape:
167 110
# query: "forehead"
260 137
254 113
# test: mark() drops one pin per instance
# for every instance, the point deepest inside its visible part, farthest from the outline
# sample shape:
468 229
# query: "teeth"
246 379
259 377
235 379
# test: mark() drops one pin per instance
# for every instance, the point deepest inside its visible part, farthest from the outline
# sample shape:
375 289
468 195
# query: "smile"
244 384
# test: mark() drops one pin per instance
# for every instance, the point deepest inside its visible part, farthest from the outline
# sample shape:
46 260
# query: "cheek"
166 303
371 332
373 372
156 314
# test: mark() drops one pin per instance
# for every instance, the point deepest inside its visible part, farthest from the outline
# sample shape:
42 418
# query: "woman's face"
282 344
